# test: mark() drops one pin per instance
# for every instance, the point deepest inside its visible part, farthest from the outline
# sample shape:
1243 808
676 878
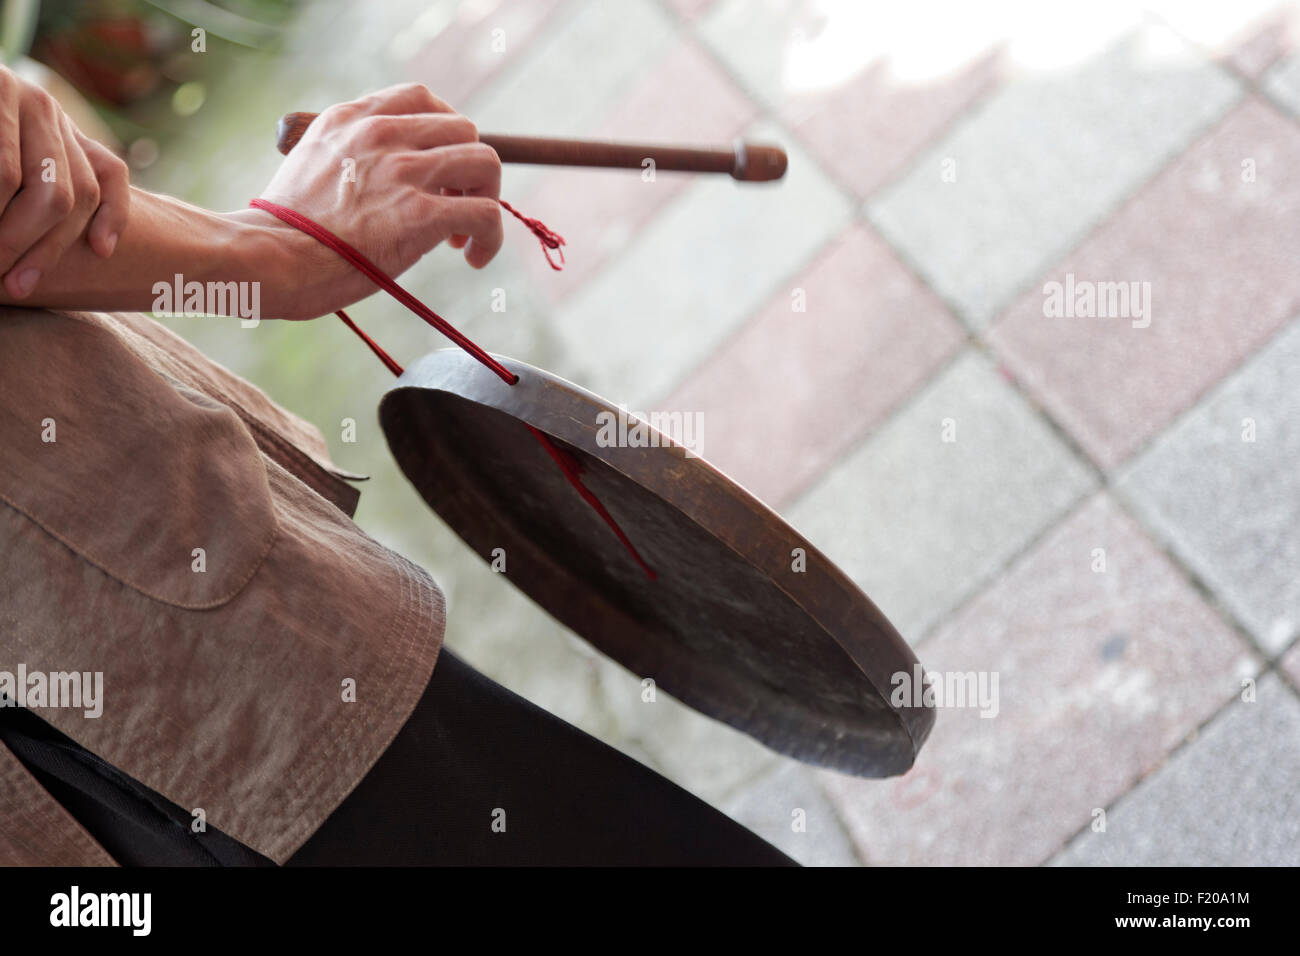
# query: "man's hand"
393 174
53 182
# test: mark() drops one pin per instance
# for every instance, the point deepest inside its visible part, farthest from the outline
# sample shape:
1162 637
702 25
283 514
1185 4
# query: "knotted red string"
568 464
545 235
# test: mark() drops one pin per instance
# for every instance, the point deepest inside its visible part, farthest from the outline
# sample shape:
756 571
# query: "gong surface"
799 659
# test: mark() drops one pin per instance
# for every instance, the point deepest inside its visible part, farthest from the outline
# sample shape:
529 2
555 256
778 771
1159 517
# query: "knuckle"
374 129
337 115
466 129
105 163
62 199
488 210
403 166
488 156
420 98
429 207
88 194
115 168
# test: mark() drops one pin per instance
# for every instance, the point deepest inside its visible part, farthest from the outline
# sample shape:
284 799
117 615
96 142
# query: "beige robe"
190 540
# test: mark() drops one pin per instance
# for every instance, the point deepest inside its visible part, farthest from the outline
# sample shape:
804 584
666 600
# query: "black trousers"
477 776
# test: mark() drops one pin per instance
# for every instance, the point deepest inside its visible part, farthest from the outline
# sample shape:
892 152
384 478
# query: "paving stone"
1249 34
1210 253
570 77
690 9
793 391
1222 487
1230 798
851 84
787 808
919 522
708 758
690 278
1042 162
1100 674
600 211
1283 82
1291 664
455 49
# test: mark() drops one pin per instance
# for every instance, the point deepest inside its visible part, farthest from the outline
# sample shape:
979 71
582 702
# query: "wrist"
292 268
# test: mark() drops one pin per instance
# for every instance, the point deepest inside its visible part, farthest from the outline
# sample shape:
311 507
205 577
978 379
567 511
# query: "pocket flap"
156 484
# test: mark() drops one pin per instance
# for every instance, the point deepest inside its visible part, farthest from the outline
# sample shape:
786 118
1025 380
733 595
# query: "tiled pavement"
1104 512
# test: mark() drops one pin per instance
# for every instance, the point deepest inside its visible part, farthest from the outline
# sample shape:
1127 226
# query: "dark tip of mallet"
759 164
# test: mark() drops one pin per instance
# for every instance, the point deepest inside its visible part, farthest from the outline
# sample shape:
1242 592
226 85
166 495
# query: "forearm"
164 238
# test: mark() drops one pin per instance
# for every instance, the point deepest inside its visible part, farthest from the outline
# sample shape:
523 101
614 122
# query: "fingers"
402 98
114 195
62 207
11 156
456 242
475 216
415 131
461 170
469 168
409 156
405 99
45 199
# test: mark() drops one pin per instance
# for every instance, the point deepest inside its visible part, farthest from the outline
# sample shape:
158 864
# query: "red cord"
379 278
572 469
374 346
567 463
545 235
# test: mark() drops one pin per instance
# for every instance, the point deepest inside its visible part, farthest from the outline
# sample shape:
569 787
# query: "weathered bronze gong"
800 659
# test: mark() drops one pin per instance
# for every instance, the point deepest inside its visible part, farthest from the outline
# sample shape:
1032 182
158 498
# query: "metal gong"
744 621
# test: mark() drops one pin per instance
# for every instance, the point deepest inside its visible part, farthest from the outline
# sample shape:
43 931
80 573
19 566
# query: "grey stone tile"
1291 664
1229 506
1115 383
919 522
568 78
1246 33
1231 797
1105 661
1043 161
788 809
1282 82
708 260
863 85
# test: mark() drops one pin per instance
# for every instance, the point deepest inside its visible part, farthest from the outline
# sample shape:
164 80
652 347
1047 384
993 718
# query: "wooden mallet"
748 162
